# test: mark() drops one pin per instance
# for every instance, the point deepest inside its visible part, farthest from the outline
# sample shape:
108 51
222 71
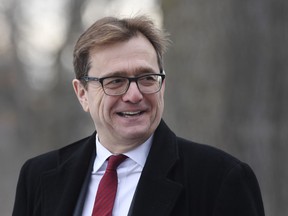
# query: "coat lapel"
156 193
61 187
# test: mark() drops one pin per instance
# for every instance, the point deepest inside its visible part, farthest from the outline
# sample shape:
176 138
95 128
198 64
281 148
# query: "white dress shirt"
128 172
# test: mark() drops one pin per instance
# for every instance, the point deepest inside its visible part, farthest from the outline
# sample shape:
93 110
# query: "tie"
107 189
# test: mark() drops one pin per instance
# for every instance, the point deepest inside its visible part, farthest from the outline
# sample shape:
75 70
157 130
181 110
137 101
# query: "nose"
133 94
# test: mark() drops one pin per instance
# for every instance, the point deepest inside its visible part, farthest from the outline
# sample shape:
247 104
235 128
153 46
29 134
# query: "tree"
227 73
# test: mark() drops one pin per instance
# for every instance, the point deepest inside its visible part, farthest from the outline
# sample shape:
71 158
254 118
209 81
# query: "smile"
130 114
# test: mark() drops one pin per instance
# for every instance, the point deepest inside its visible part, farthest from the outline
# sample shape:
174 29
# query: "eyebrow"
136 72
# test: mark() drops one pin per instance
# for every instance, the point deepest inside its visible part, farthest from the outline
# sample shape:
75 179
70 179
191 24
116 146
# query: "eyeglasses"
118 85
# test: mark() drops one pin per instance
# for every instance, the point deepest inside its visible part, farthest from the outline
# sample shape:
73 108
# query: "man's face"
125 121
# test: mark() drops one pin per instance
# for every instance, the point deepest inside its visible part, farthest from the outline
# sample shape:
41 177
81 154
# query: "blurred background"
227 81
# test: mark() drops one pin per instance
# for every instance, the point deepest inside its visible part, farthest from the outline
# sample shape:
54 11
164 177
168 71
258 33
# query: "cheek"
161 105
158 104
161 96
95 101
103 106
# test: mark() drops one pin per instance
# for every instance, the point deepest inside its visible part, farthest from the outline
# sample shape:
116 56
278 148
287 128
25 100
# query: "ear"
81 94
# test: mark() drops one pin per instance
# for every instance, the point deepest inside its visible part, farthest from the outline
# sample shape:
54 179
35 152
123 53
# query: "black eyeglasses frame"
130 79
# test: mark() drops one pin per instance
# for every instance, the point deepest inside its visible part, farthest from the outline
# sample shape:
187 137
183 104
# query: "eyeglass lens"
119 85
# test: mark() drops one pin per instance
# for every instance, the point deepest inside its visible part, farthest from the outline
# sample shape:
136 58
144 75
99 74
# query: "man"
120 81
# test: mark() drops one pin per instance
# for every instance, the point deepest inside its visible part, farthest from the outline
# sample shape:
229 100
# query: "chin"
135 133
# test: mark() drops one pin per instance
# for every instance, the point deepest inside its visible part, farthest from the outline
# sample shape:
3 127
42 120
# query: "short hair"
110 30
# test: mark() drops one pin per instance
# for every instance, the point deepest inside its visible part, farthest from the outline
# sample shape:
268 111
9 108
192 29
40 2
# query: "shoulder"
193 155
229 183
207 157
213 165
50 160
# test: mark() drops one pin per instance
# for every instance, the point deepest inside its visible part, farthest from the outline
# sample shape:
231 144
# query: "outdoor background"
227 81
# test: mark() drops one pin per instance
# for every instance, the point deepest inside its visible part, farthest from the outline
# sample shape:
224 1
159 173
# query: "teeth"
130 113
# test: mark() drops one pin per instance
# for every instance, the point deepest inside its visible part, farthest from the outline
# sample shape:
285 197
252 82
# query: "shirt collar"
138 155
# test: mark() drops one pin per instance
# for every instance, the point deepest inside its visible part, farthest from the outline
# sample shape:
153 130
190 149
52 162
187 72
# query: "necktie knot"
114 161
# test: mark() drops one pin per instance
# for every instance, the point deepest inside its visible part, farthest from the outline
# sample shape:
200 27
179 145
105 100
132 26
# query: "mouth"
130 114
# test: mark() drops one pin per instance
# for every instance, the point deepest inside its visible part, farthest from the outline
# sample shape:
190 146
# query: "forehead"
131 56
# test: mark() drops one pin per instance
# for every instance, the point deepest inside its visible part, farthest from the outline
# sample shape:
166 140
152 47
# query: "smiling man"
133 164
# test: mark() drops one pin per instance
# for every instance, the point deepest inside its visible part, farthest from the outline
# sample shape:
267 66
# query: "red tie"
107 189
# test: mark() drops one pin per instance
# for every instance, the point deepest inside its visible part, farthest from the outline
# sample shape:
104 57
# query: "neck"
121 146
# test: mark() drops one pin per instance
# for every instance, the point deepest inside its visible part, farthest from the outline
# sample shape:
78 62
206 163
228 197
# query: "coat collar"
62 185
156 193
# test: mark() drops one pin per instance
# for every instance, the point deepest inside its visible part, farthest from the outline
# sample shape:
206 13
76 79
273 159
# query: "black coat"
180 178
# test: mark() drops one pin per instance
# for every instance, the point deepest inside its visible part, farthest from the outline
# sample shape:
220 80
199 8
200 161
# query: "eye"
114 82
148 80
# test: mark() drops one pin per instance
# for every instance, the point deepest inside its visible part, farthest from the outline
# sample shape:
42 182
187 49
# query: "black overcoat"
180 178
